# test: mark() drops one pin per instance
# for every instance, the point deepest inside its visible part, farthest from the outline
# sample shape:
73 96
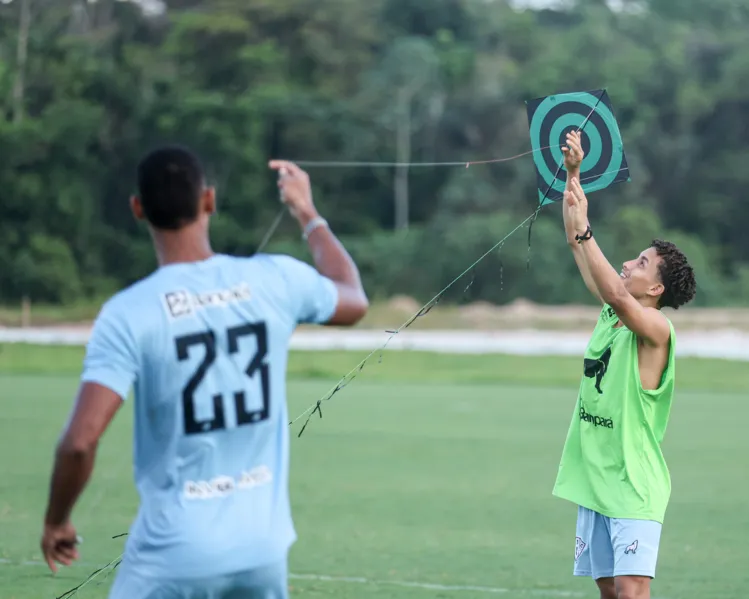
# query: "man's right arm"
575 153
330 257
333 261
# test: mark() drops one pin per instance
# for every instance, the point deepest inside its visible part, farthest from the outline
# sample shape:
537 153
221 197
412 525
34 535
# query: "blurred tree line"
87 87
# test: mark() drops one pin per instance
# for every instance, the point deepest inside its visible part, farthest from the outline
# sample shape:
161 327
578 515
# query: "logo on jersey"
579 547
632 548
183 303
595 420
597 368
221 486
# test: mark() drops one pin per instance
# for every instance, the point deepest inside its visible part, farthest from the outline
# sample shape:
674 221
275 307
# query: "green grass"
442 481
409 366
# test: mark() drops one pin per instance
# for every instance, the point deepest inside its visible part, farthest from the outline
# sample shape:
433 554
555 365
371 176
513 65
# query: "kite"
550 119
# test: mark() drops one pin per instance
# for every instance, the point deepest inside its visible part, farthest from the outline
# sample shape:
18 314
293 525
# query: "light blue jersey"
204 345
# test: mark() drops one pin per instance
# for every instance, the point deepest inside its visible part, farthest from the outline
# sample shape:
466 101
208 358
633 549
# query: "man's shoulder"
131 305
608 316
667 334
132 292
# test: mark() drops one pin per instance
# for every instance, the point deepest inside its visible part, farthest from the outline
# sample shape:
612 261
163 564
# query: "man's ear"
209 200
137 208
656 290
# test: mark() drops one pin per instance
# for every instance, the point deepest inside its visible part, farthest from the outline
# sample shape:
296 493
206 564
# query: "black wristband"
585 236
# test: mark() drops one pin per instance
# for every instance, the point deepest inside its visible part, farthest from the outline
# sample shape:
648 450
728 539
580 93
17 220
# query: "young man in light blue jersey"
204 341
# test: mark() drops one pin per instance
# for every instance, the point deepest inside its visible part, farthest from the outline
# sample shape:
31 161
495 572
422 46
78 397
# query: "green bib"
612 461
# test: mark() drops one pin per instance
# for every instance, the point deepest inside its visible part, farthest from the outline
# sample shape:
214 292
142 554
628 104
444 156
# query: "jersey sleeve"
313 297
111 356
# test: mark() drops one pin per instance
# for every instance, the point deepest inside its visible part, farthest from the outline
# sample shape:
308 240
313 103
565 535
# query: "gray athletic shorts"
607 547
269 582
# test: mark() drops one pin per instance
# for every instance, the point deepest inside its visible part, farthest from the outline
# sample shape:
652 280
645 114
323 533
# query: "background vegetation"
87 87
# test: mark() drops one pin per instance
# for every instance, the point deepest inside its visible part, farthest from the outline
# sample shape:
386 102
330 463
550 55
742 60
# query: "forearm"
71 474
330 257
607 281
575 247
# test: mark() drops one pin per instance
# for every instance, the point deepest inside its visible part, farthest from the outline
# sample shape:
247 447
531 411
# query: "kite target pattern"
551 118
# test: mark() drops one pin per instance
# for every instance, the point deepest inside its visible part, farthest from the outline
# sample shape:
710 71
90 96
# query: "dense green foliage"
95 84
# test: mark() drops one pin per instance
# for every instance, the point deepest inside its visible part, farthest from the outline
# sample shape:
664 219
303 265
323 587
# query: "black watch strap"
585 236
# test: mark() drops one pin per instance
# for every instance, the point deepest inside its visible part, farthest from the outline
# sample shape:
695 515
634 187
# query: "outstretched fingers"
575 194
574 143
570 199
577 189
285 167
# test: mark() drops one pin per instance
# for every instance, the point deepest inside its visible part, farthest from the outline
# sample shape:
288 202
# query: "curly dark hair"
676 275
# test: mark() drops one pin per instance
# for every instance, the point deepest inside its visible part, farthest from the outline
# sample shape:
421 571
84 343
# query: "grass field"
429 476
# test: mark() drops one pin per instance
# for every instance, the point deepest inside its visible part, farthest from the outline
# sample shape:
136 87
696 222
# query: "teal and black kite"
551 118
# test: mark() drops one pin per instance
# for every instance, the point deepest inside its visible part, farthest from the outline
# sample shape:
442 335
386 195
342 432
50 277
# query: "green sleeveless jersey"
612 461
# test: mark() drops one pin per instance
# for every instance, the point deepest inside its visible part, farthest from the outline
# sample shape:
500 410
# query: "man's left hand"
59 545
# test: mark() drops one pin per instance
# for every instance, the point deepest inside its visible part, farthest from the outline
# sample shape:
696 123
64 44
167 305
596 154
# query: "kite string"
333 164
316 407
466 164
272 229
421 312
74 591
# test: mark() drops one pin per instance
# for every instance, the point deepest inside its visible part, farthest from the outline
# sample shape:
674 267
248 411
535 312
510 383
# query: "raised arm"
649 324
573 157
330 257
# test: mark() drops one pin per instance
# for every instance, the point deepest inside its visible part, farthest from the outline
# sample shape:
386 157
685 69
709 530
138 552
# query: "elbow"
76 448
352 312
359 309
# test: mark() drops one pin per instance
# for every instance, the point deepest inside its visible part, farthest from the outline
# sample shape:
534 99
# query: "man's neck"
189 244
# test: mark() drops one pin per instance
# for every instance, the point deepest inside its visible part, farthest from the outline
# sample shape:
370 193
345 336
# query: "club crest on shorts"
579 547
631 548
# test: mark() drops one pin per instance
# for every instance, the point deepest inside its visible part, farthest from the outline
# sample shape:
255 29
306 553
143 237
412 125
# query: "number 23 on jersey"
257 363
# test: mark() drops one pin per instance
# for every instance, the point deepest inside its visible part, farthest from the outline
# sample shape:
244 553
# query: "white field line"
376 582
725 343
438 587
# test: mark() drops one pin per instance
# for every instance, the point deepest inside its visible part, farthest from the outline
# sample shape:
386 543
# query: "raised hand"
296 191
573 152
576 203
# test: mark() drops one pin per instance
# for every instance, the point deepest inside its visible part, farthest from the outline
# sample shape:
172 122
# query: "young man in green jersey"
612 466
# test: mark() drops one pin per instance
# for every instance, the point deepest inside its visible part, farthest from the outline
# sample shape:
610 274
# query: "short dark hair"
170 182
676 275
